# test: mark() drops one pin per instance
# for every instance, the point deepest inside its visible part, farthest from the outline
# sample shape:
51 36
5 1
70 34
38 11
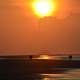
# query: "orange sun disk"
44 8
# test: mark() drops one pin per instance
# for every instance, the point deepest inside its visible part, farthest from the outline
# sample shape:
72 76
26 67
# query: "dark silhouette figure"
70 57
30 57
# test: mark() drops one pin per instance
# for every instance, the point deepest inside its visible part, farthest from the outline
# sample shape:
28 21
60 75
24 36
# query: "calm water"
73 74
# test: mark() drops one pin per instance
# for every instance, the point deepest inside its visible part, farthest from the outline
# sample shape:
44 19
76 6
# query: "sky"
22 32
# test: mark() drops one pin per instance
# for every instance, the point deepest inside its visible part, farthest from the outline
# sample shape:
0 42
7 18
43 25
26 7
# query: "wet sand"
27 69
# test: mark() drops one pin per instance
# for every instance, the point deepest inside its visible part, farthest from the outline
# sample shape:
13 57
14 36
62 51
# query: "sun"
43 8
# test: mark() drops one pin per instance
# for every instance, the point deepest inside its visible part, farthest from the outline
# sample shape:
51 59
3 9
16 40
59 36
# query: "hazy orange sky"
22 32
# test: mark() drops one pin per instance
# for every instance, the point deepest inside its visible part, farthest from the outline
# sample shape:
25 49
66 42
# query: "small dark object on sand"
30 57
70 57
